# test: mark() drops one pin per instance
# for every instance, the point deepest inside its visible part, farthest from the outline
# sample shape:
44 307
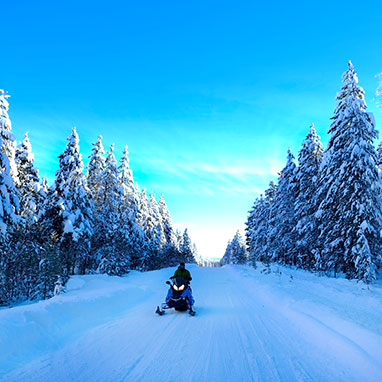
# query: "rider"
182 272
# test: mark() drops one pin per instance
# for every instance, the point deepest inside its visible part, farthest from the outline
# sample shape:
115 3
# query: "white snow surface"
250 326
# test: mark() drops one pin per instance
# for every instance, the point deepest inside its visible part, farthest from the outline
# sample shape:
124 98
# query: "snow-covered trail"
249 327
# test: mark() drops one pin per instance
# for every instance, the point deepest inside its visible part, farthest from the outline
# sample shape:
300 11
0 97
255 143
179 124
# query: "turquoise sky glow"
208 95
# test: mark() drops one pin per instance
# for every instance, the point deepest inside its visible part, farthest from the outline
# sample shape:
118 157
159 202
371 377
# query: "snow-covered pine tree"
31 197
135 237
257 231
195 253
8 145
266 253
170 252
178 240
282 220
95 172
154 209
95 168
309 159
153 259
166 220
145 217
186 249
350 192
125 174
70 199
9 199
136 242
132 234
157 218
226 259
110 237
238 250
44 185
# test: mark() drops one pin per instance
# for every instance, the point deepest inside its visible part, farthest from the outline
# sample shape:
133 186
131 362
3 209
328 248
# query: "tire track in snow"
351 360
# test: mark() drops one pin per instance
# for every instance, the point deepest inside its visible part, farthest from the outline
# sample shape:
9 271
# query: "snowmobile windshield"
179 281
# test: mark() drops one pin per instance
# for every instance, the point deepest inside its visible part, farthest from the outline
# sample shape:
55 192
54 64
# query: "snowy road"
249 326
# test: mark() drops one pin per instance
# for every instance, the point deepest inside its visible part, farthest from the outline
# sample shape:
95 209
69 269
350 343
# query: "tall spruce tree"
186 249
257 231
281 236
170 252
259 227
126 175
9 196
152 258
31 195
145 218
135 240
226 259
71 199
238 250
95 168
157 218
350 211
166 220
8 145
309 160
114 254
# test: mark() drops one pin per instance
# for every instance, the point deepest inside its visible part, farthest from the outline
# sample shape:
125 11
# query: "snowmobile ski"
160 312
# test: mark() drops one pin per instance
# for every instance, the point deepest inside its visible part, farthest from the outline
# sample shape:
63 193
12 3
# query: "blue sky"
208 95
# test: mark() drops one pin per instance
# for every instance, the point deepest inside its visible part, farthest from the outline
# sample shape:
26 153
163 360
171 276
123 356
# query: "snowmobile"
179 297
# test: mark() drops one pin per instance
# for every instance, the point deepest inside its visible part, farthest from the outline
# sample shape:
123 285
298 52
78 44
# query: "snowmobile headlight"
181 287
175 287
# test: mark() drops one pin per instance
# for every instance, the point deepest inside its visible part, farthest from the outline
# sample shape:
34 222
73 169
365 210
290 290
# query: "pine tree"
31 195
186 249
145 217
95 168
238 250
266 253
8 145
166 220
157 219
9 200
309 159
226 259
257 231
169 252
114 255
282 219
350 211
153 259
154 210
126 175
133 235
70 198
